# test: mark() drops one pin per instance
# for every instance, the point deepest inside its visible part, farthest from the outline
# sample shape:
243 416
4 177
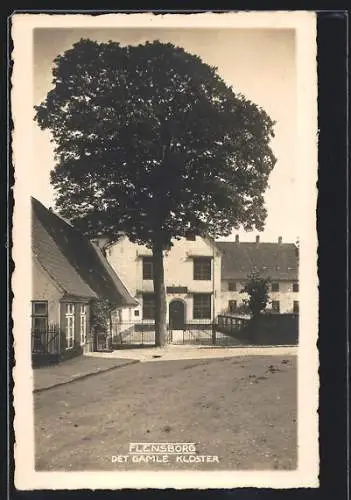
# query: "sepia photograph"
165 291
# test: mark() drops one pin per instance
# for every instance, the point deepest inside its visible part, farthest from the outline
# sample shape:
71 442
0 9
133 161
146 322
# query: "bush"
257 289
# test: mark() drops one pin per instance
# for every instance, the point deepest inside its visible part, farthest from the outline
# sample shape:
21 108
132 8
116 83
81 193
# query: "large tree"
151 141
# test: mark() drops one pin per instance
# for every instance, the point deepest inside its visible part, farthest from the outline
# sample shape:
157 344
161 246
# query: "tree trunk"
160 297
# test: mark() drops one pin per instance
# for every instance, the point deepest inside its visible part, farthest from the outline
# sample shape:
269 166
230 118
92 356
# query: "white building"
278 261
192 269
203 278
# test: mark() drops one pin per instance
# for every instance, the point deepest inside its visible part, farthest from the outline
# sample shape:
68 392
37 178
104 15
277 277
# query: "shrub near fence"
275 329
269 329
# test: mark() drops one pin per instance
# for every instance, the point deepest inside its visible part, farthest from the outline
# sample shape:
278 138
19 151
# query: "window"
232 306
148 268
39 316
69 325
190 236
232 286
202 306
136 312
276 306
295 287
83 324
148 306
40 308
296 306
275 287
202 268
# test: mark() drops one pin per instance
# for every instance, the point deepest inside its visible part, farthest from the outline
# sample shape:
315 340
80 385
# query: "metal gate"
129 334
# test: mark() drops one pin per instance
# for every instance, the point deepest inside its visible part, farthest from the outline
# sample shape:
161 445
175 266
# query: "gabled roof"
278 261
76 265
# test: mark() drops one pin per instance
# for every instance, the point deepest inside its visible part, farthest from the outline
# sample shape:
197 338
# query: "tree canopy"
257 288
150 140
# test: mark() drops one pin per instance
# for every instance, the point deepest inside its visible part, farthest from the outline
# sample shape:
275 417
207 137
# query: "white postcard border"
22 113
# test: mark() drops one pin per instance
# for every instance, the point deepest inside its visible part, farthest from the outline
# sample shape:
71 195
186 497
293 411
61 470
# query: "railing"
231 324
199 332
47 341
193 333
133 333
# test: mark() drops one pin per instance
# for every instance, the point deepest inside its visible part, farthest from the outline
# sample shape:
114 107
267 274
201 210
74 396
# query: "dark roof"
278 261
76 265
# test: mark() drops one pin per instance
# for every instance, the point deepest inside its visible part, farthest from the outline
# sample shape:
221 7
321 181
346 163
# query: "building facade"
204 278
192 270
276 261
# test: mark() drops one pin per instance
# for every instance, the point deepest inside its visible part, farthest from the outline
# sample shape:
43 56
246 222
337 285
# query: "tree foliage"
100 311
149 140
257 289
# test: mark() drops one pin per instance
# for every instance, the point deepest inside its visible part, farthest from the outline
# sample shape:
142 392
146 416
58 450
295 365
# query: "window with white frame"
83 324
70 310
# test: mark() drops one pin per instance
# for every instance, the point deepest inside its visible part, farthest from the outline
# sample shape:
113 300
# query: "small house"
69 275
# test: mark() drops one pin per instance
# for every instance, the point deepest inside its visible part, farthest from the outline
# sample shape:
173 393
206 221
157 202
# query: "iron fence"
132 333
142 333
193 333
46 341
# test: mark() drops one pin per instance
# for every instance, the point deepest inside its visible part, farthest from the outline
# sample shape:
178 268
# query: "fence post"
59 338
213 333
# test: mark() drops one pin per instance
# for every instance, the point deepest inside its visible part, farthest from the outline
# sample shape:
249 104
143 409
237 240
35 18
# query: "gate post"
213 334
170 332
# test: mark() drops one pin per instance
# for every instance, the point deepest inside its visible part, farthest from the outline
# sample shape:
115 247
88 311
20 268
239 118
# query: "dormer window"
190 236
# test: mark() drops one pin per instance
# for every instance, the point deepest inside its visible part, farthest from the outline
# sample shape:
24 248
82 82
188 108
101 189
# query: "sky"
258 63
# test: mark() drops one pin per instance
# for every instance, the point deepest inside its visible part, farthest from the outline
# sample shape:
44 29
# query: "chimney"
280 240
257 239
236 238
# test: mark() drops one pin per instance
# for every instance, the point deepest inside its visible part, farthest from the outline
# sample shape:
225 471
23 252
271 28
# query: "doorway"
176 315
